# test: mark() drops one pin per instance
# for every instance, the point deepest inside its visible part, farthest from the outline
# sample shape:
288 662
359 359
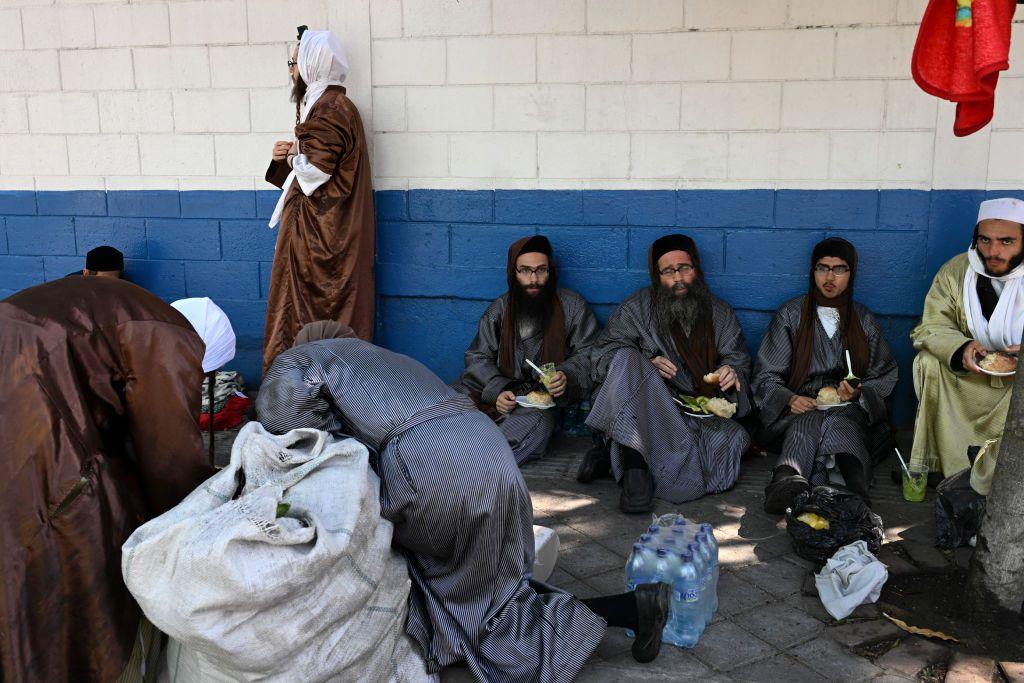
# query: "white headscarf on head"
213 327
1006 325
322 63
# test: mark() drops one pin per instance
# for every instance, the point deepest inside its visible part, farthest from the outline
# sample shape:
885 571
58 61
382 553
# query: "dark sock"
853 473
618 610
782 471
631 459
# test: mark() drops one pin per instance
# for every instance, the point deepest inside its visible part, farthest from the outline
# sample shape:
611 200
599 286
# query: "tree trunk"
995 582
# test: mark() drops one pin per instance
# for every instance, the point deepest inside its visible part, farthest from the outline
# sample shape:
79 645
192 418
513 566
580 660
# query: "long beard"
1014 262
298 92
533 312
685 311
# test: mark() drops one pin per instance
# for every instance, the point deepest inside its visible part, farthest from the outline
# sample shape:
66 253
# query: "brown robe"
87 363
323 264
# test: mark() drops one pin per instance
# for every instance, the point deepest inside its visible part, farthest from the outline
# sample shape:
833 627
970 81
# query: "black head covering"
104 258
674 242
301 29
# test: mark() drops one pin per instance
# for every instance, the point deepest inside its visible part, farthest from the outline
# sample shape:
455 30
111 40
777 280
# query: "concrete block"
35 71
56 267
446 17
903 210
833 105
811 13
188 239
710 245
777 668
131 25
623 16
177 154
266 200
34 155
126 234
13 114
242 155
450 108
907 106
607 106
247 318
966 668
951 221
17 202
19 272
912 655
271 111
50 27
485 246
386 19
910 11
106 69
725 208
539 107
10 29
41 236
265 271
835 663
249 240
424 244
103 154
960 163
218 204
906 156
1012 89
779 252
462 206
694 56
494 155
417 155
72 203
730 106
882 253
1016 49
146 203
249 66
633 107
629 207
63 113
136 111
440 281
211 111
1004 157
391 205
408 62
211 22
223 279
166 279
784 54
726 646
446 325
538 207
704 14
504 59
389 110
778 156
160 68
875 52
821 209
589 247
539 16
855 155
583 155
271 21
679 155
582 59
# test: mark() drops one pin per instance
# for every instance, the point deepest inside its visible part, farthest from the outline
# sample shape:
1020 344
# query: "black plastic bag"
959 510
849 518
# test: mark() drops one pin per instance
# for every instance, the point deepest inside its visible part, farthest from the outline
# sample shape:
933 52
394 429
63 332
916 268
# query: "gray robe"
528 430
461 511
810 438
688 456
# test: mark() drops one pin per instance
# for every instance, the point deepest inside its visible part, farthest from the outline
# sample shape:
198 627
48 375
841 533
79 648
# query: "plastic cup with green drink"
915 482
547 373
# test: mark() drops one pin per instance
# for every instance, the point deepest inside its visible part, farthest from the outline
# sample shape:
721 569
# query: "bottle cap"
686 556
638 547
680 521
706 528
646 538
662 552
653 529
701 537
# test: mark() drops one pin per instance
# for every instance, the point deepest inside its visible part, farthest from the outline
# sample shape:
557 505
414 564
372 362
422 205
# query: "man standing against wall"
323 262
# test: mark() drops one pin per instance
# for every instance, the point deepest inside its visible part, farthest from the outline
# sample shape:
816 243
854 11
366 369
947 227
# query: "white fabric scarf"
322 63
1005 326
213 327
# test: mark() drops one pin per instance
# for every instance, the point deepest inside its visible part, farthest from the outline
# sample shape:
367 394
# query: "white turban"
213 327
1005 208
322 63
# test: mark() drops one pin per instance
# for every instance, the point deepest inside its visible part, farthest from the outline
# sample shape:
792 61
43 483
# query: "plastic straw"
534 366
849 365
902 463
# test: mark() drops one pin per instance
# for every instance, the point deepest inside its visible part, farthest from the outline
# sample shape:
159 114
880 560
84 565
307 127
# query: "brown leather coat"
86 365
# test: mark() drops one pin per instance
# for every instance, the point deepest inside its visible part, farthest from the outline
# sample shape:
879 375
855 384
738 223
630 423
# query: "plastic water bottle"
687 624
639 569
653 530
703 569
709 532
647 541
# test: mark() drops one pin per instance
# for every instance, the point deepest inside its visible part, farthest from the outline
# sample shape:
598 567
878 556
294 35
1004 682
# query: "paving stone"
912 655
581 590
588 559
833 661
777 576
892 678
966 668
926 555
778 668
1014 671
857 633
610 582
614 643
621 545
779 624
736 595
726 646
896 564
735 553
559 577
675 661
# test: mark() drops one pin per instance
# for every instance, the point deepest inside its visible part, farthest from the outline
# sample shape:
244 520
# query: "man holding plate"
818 404
971 326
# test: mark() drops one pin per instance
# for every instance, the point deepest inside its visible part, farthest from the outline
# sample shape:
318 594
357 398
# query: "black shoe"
781 493
597 463
652 606
637 491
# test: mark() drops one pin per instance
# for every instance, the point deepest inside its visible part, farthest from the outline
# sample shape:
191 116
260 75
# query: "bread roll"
828 396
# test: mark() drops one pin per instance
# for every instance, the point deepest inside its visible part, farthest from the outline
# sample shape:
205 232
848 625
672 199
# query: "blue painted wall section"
441 254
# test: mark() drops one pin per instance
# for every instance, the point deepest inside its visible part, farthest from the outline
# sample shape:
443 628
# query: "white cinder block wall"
495 93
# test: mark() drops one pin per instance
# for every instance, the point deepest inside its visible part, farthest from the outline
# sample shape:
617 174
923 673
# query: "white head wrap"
213 327
1006 325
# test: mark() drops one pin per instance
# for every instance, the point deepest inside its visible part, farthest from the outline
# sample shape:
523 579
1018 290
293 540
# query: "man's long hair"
298 93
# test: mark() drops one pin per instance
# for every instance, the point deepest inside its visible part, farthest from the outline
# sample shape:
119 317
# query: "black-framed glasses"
526 271
685 269
292 63
823 269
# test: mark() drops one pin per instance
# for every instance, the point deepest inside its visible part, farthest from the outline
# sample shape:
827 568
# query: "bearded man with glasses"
667 339
538 321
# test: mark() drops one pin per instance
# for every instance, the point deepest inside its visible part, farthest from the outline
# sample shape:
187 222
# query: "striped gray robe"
460 509
528 430
810 438
689 457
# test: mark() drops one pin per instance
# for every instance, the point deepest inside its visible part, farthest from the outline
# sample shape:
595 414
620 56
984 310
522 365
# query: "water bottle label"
691 595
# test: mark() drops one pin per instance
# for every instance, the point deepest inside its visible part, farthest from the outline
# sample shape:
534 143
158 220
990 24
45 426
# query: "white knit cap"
1005 208
213 327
